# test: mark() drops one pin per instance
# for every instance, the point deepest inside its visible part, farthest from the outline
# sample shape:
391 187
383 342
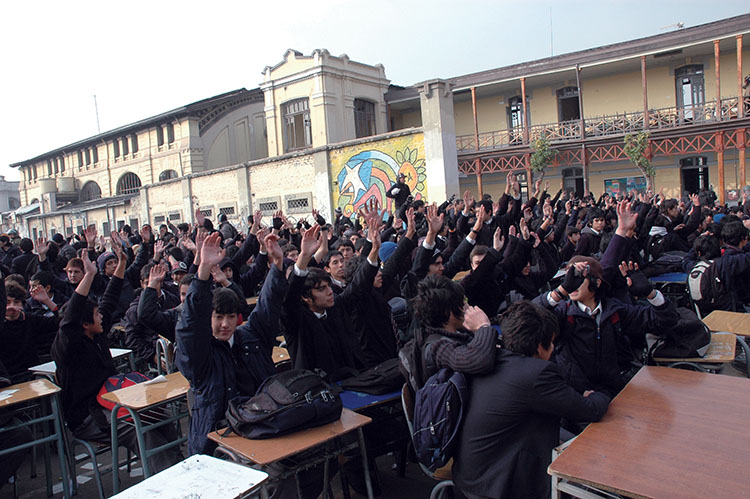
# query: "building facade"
324 131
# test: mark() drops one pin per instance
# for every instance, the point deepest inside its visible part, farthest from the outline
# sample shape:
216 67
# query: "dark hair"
126 229
605 240
361 243
146 271
4 239
176 253
17 279
183 227
44 278
667 205
417 204
15 291
594 214
479 250
344 242
525 326
187 279
288 248
327 259
26 245
350 268
87 315
437 296
571 231
226 301
314 277
75 262
733 233
163 226
707 247
487 205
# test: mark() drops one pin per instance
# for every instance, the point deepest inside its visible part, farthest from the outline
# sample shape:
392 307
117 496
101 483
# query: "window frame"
289 120
365 122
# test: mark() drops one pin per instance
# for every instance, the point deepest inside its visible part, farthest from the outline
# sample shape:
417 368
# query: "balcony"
603 126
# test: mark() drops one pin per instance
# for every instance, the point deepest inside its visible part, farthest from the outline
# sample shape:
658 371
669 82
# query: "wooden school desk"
135 400
669 433
48 369
733 322
268 451
29 391
198 476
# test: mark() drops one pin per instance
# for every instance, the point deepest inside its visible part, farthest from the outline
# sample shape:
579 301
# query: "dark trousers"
9 463
98 431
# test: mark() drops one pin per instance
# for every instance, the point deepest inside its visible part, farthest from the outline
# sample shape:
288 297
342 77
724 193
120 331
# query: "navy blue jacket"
216 371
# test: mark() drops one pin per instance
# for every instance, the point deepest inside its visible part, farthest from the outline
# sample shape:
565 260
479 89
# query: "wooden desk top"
279 355
721 350
198 476
733 322
144 395
461 275
274 449
51 368
29 390
669 433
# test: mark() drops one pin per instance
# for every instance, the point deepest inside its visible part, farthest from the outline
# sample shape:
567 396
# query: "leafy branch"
635 148
542 155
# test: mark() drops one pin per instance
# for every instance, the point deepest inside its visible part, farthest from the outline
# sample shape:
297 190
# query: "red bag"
115 383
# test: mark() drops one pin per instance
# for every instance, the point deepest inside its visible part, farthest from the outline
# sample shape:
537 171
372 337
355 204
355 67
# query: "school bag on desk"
284 403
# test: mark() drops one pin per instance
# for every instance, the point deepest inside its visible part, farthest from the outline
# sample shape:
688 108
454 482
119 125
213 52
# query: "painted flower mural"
367 171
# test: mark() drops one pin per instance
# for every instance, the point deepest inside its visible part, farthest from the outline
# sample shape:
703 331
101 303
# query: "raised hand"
199 217
536 238
159 249
42 247
626 219
156 275
474 318
116 244
188 243
89 267
310 241
40 294
512 231
257 217
262 233
411 223
211 252
638 284
524 229
90 235
498 240
695 199
219 276
146 234
435 222
274 250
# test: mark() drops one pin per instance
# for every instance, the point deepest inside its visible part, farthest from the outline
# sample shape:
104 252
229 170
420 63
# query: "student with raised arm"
319 331
84 363
220 359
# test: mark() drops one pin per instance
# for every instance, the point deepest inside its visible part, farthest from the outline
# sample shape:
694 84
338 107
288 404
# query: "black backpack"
384 378
285 403
438 414
689 338
707 289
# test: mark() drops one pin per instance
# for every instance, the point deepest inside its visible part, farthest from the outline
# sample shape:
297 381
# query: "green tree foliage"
542 156
635 148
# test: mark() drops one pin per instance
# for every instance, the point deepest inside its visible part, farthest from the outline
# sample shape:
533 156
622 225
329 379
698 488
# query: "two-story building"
327 132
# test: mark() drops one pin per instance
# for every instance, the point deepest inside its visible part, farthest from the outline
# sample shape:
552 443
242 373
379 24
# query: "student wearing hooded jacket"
594 328
220 359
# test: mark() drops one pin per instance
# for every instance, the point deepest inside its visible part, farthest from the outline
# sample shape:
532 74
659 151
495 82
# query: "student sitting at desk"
84 363
221 360
513 418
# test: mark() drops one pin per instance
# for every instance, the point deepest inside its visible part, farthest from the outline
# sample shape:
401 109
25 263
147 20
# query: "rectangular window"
268 206
62 164
207 212
170 133
35 172
227 210
159 219
125 151
159 136
105 228
134 224
49 168
95 153
80 159
174 216
116 145
297 128
88 156
364 118
134 143
120 223
57 165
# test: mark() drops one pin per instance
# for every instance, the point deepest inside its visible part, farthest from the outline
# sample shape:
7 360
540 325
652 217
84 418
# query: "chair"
721 351
93 449
164 355
443 475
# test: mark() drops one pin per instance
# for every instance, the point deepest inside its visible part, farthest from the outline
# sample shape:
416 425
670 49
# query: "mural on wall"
366 171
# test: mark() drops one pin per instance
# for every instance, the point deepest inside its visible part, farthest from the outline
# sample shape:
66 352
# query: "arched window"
90 190
167 174
128 184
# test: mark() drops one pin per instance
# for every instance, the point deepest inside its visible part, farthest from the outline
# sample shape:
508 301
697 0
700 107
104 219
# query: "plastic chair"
443 475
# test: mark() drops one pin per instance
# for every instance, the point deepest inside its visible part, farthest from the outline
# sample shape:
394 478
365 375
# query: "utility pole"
96 109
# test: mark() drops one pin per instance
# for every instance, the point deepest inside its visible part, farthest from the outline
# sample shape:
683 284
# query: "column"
646 119
439 128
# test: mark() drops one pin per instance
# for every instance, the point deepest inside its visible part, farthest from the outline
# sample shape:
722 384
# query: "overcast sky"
142 58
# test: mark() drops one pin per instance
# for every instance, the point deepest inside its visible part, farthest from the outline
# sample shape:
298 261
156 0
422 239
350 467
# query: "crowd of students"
348 293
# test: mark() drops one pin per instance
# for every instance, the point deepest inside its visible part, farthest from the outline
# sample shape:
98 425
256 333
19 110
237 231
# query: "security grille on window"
207 212
364 118
269 206
227 210
297 128
128 184
159 219
174 217
90 191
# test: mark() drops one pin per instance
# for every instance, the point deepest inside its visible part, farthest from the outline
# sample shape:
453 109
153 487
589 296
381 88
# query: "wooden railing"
615 124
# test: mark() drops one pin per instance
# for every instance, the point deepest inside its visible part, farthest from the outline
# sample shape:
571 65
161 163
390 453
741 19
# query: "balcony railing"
616 124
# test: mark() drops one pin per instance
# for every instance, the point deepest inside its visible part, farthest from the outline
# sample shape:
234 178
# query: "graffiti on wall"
366 171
